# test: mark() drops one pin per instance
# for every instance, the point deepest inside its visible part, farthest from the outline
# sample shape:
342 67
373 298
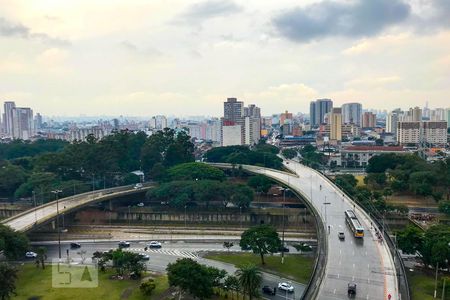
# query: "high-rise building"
415 114
285 116
336 124
369 120
318 109
235 116
8 117
158 122
447 117
352 113
233 110
392 119
408 132
434 132
23 124
38 122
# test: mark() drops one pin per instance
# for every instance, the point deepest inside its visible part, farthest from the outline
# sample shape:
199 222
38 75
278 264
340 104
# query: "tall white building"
434 132
22 123
352 113
231 135
408 132
158 122
8 107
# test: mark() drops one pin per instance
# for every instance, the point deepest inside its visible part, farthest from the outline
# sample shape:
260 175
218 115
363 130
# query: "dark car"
124 244
283 249
75 245
268 290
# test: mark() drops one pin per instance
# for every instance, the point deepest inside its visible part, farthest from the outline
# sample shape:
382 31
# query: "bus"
353 222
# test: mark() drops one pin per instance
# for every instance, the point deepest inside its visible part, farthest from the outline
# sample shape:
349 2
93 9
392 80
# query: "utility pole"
282 235
435 281
56 192
35 213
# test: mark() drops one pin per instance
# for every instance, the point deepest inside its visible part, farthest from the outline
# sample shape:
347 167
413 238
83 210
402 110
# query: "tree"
189 276
289 153
147 287
14 244
262 239
228 245
8 277
11 177
250 278
260 183
232 284
410 240
194 171
41 256
127 263
444 207
375 179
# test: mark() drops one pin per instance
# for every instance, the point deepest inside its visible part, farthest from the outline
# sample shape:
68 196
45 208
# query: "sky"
142 58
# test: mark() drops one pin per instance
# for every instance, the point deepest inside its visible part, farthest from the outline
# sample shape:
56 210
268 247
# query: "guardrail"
403 285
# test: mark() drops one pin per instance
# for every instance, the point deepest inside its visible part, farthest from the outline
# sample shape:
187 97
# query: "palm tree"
41 256
250 278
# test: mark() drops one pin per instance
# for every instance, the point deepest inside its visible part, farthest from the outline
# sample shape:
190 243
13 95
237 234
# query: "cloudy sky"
175 57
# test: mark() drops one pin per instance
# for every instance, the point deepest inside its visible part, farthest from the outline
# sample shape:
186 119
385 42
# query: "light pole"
240 215
129 215
35 213
435 281
56 192
185 225
282 234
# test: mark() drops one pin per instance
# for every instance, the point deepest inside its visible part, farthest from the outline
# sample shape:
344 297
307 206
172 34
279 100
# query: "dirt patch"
126 294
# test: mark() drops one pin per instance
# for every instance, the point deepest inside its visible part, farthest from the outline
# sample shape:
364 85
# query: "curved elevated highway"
366 262
28 219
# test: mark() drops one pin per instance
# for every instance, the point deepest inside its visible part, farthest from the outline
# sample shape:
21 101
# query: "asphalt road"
365 261
169 253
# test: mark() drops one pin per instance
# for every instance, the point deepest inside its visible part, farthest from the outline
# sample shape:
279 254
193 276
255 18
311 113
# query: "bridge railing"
376 216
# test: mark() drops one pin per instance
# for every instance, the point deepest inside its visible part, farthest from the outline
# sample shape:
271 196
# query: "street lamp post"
435 281
282 234
56 192
35 213
185 224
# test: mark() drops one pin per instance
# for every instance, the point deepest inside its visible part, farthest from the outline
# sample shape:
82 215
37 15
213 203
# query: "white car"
154 244
31 254
285 287
140 204
138 186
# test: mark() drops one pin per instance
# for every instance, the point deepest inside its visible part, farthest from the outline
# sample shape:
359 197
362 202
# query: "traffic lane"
321 191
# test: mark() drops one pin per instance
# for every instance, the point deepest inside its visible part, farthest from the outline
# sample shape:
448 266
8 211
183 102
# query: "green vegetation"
432 245
194 171
409 173
249 277
289 153
311 157
8 277
193 278
202 192
35 282
296 267
45 165
126 263
262 240
422 286
260 183
13 244
371 200
261 155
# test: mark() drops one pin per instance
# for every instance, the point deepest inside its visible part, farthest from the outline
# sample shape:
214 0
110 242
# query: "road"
365 262
26 220
169 253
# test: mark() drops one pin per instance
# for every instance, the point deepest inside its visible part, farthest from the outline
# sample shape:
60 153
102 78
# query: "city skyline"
143 59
